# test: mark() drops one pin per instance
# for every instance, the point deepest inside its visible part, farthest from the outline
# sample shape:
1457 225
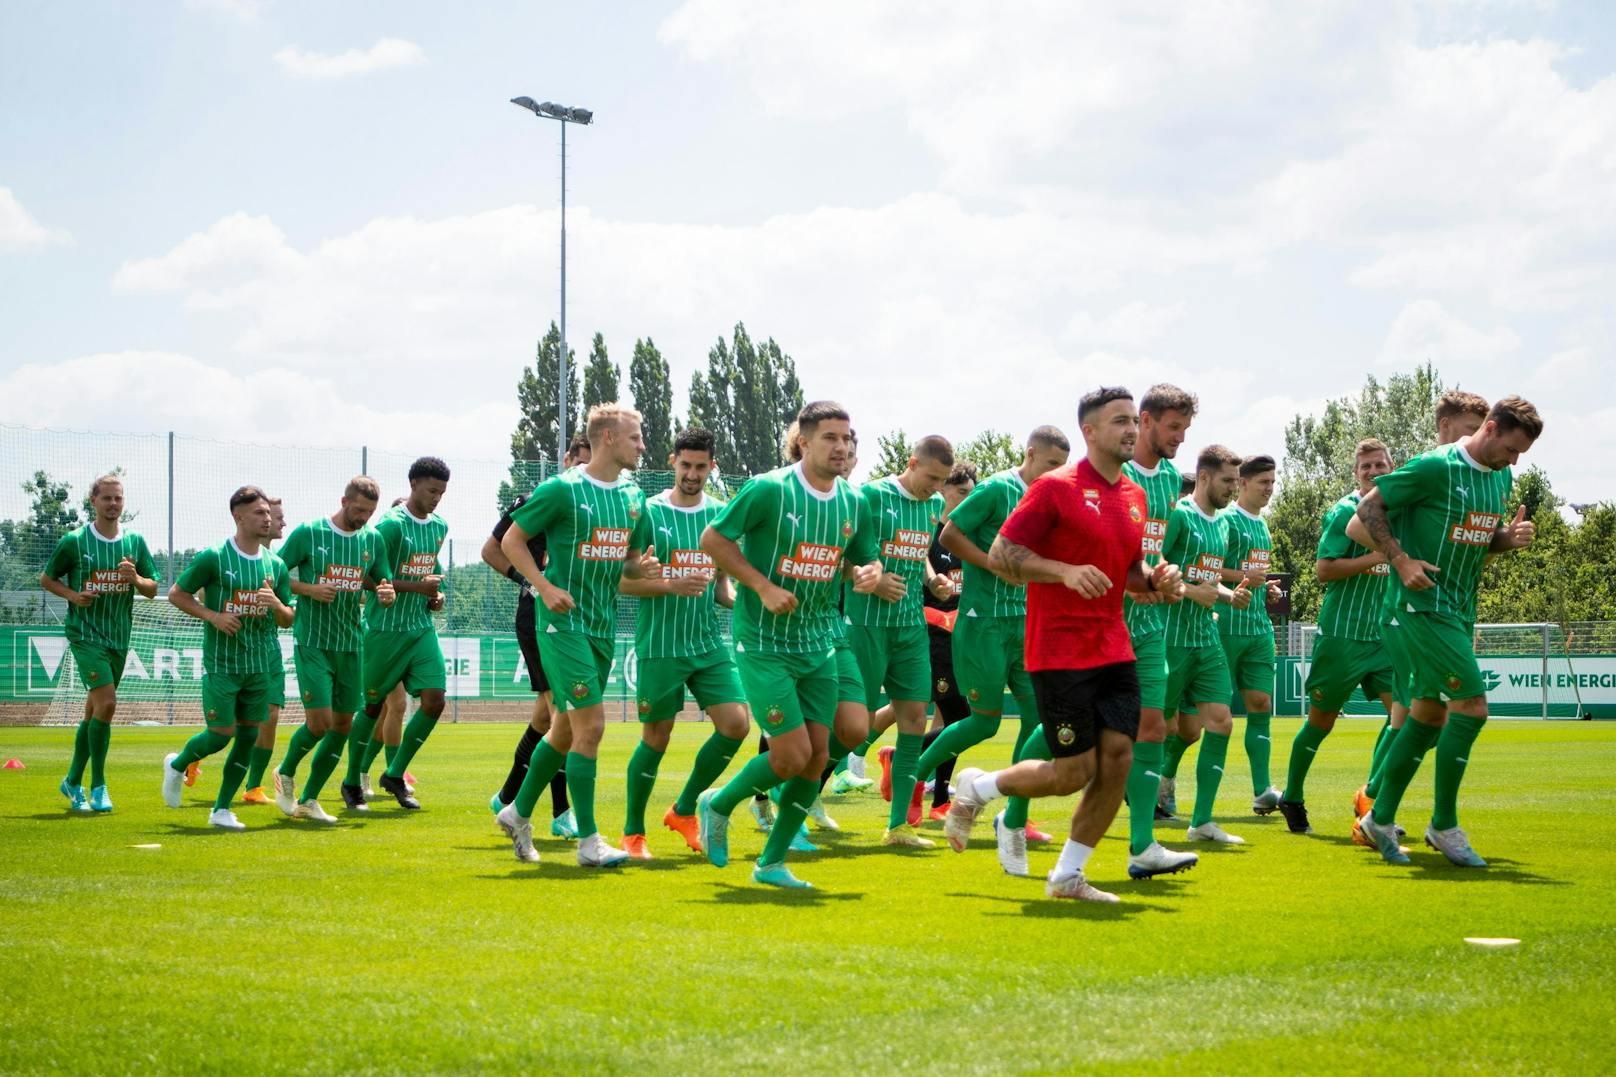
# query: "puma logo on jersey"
1464 491
892 513
666 531
587 507
1095 505
796 521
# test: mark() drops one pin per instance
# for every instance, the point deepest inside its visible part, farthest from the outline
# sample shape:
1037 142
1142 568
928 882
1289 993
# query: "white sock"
986 786
1072 859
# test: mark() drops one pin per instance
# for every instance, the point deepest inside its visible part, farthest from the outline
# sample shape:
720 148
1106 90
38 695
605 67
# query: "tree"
894 452
991 452
1564 575
534 440
26 544
648 380
711 405
601 378
747 397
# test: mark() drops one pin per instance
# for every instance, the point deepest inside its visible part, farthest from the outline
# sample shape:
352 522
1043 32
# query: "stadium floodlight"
566 114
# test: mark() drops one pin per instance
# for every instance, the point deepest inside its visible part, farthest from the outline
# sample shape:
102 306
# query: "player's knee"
657 734
432 704
1116 755
1323 720
1259 702
730 723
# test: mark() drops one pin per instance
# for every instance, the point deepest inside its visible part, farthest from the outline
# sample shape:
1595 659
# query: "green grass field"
415 942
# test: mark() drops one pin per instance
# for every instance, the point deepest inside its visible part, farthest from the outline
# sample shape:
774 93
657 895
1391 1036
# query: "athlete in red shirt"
1075 541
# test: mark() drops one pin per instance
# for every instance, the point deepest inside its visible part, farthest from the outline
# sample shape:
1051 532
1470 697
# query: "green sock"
1144 782
301 744
1029 725
1402 761
840 766
358 741
100 741
797 795
391 751
198 747
81 753
1173 749
1303 751
1381 740
1209 774
965 733
1259 749
1032 747
904 758
1377 765
235 766
372 750
869 742
257 765
1452 754
581 788
710 763
642 771
327 754
541 767
756 777
415 733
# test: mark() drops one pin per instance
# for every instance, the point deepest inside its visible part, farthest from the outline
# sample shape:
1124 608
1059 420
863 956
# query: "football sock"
1304 749
415 734
711 761
904 758
756 778
1452 754
81 753
300 744
642 772
543 764
797 796
1034 747
100 741
1259 750
358 743
524 752
1144 782
200 746
1173 749
257 765
235 766
581 784
327 754
1402 761
1209 774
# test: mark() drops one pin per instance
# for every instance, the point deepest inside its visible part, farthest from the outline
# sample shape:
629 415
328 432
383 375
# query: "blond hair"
607 416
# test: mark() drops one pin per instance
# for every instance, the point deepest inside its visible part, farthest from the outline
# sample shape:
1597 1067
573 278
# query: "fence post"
170 580
448 622
364 459
1545 679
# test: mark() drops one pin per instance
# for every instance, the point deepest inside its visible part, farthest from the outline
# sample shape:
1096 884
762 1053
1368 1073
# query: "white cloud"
1425 331
1135 324
386 54
19 230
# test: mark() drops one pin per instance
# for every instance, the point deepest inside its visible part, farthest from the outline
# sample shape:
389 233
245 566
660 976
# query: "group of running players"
1116 602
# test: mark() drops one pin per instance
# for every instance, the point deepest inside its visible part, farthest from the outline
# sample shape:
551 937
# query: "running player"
1197 541
1449 506
1246 631
1182 727
245 590
942 606
97 569
1076 541
388 732
784 539
1348 651
527 640
333 558
264 749
887 629
594 522
401 644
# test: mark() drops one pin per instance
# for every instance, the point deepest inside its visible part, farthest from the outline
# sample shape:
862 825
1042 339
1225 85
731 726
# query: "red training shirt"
1075 516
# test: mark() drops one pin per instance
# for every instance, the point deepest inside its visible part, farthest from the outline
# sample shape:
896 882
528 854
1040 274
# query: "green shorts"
328 680
1198 675
1340 665
98 666
1442 652
1391 638
786 690
898 658
578 667
277 687
1150 660
712 678
988 661
849 678
228 698
412 658
1251 662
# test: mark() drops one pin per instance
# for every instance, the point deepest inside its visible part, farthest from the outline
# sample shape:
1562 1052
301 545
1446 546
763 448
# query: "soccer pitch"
415 942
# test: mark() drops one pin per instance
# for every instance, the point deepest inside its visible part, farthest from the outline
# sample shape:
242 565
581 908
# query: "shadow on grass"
1436 867
1047 908
729 894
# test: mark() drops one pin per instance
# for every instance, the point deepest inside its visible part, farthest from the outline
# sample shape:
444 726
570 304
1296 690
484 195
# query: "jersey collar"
1471 460
90 527
667 501
406 509
802 477
1248 515
1195 506
244 553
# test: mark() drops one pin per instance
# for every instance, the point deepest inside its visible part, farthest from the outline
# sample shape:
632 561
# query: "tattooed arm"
1018 564
1411 570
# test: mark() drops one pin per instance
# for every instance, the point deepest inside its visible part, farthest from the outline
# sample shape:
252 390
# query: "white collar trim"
802 477
244 553
1471 460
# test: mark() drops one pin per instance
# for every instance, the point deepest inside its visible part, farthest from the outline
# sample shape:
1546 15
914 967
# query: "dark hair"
1162 398
578 444
429 467
820 411
246 495
1049 437
1457 402
964 472
695 439
1516 413
935 447
1256 465
1186 485
1098 399
1215 457
397 501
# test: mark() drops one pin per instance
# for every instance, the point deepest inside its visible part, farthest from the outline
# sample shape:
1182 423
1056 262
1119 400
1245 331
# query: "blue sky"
953 221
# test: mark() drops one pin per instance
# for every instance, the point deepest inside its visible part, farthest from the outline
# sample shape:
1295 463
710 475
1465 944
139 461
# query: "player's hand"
126 571
891 587
941 586
691 585
1519 532
385 593
227 623
866 578
1414 573
1203 594
650 568
1086 580
435 603
777 600
266 596
1275 590
1241 597
556 599
326 591
82 599
1256 577
432 583
1167 581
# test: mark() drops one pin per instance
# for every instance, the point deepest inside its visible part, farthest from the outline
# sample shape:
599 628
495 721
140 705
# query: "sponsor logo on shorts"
212 713
92 675
774 715
1476 529
1066 735
579 689
371 692
307 696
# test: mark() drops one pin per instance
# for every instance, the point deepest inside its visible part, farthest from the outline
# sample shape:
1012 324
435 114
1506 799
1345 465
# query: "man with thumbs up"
1246 632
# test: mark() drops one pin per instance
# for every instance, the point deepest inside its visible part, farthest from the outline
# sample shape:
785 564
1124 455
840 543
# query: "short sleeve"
144 564
63 558
380 569
973 512
283 582
643 537
1172 544
297 548
746 509
541 508
864 546
1411 483
391 533
1333 540
1036 516
203 570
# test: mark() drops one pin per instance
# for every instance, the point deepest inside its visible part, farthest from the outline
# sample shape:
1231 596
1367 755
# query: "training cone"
13 764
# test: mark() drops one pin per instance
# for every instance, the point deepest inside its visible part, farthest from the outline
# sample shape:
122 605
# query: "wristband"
515 576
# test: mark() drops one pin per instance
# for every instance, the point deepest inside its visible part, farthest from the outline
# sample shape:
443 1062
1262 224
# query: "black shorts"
527 639
1075 704
945 693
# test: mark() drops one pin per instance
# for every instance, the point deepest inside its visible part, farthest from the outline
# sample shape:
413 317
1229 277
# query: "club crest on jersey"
774 715
1135 515
847 528
579 689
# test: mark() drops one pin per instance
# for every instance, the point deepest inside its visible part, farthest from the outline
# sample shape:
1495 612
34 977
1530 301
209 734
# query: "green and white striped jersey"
1161 486
410 548
88 562
979 517
1196 543
1352 607
903 526
678 626
589 527
321 552
797 537
1251 547
1444 508
230 581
